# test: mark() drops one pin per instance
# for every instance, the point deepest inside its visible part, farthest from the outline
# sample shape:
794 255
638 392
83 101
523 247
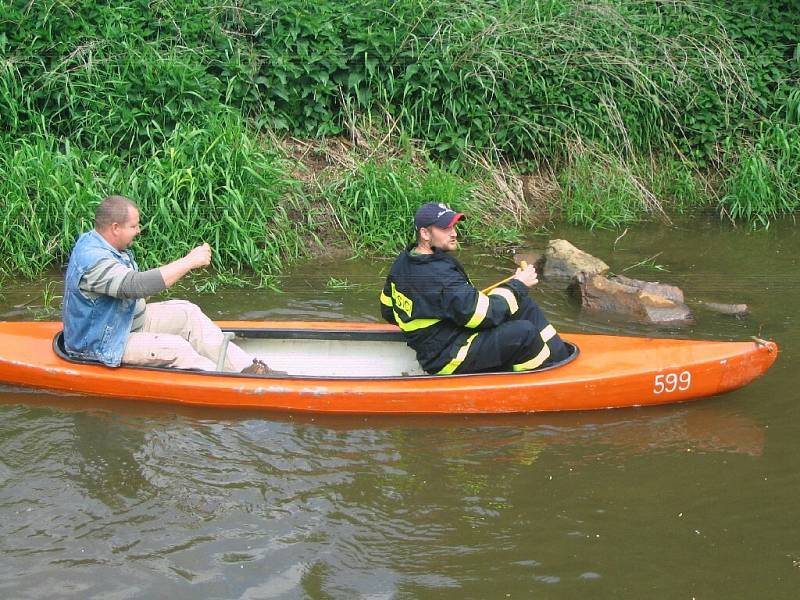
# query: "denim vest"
95 328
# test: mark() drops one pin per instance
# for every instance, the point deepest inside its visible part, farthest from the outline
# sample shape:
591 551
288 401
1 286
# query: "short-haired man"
452 326
105 314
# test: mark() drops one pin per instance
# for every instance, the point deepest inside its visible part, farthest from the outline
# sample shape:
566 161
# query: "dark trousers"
513 343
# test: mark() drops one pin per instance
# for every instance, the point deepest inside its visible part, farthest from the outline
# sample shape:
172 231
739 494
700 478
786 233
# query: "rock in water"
672 292
598 294
563 261
734 310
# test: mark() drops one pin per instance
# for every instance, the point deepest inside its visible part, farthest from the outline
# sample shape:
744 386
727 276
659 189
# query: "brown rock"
598 294
671 292
563 261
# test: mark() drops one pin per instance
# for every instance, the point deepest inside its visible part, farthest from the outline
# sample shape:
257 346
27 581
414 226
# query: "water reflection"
105 461
255 505
705 425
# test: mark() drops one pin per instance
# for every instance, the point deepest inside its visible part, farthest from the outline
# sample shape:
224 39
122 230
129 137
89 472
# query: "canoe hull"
610 372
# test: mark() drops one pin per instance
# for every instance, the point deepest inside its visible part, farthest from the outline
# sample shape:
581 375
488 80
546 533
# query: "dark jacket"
432 300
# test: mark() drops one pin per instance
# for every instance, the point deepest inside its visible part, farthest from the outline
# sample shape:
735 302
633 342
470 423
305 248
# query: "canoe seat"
61 351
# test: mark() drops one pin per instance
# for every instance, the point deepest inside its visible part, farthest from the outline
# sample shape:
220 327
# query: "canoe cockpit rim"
314 334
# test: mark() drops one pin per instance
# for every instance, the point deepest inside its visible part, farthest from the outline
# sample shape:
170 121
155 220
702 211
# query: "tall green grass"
600 194
765 179
528 78
680 185
47 189
216 184
12 97
603 190
374 204
127 98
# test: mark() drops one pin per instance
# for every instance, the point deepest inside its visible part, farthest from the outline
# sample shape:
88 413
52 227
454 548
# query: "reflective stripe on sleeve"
508 296
459 358
481 308
386 300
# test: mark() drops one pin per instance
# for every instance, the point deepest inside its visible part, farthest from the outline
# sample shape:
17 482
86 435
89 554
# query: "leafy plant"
215 184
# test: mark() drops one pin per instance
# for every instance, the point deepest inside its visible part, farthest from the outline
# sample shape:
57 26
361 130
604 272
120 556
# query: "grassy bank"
259 201
598 112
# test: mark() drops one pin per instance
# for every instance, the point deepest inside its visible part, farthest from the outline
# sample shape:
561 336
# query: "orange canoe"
367 368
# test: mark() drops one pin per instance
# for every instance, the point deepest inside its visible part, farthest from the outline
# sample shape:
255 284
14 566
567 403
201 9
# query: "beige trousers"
177 334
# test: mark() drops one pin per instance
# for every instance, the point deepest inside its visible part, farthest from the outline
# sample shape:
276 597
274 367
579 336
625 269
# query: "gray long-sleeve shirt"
110 278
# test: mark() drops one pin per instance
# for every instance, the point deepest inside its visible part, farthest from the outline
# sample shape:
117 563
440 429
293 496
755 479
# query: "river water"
110 499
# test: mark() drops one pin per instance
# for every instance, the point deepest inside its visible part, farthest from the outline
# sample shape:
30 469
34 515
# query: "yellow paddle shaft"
522 265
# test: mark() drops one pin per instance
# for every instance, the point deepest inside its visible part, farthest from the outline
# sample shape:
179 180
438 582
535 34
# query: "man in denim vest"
107 319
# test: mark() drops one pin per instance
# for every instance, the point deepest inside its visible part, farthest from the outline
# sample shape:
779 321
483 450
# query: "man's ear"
425 234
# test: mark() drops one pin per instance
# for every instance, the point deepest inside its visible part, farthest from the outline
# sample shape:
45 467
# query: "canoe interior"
321 353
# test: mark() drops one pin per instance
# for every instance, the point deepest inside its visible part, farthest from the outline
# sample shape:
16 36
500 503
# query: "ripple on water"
589 576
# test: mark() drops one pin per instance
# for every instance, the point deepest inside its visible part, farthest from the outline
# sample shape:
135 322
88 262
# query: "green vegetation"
375 204
766 180
601 191
197 109
216 184
220 185
46 190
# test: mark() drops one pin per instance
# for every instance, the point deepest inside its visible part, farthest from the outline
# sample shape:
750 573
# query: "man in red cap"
454 327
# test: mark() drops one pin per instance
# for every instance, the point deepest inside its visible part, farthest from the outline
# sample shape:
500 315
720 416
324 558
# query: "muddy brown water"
111 499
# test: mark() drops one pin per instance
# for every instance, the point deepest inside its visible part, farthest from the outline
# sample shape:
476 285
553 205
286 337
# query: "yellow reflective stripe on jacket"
459 358
386 300
481 308
414 324
402 301
508 296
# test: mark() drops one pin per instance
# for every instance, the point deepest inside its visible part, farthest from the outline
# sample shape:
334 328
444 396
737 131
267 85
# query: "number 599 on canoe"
666 383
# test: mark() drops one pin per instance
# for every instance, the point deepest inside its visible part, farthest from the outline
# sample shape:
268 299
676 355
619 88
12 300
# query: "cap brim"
454 219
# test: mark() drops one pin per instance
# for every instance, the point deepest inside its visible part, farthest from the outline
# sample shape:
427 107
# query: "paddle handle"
522 265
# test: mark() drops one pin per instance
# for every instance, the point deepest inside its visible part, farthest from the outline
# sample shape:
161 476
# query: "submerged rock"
644 303
733 310
563 261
